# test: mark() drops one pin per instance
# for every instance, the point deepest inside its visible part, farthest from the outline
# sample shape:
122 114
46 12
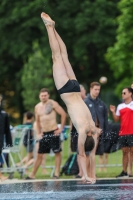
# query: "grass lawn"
114 165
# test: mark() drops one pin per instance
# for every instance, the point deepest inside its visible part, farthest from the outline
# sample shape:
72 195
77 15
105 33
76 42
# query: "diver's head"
89 143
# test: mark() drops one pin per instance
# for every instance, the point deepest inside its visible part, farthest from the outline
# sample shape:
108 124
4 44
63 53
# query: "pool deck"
67 189
12 181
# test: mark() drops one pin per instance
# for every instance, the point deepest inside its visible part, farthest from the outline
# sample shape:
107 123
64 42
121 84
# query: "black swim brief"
70 86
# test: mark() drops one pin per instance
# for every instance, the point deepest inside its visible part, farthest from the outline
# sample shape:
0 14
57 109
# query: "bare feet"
47 20
88 180
91 180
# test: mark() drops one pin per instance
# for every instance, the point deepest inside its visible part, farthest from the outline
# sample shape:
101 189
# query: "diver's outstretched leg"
64 55
59 70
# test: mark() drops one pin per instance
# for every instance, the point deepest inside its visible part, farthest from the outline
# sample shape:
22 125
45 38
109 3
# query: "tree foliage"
120 55
87 27
89 30
19 28
36 74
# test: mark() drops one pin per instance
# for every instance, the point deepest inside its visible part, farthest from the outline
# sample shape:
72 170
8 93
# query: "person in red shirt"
124 113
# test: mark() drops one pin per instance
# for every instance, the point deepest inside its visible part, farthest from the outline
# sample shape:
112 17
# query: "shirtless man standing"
47 128
69 90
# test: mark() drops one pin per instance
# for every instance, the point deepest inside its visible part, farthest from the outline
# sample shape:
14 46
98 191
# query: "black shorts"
126 141
70 86
111 138
74 140
48 142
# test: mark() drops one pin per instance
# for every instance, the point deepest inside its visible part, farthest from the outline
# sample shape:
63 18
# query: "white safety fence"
15 153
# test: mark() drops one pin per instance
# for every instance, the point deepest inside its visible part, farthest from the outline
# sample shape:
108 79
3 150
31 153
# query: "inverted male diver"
69 90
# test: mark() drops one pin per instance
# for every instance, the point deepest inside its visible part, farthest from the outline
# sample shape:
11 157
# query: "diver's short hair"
89 143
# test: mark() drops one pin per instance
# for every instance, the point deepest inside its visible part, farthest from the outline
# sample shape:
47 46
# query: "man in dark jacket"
4 130
99 114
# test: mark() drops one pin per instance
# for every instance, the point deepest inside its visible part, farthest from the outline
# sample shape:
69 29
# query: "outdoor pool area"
68 190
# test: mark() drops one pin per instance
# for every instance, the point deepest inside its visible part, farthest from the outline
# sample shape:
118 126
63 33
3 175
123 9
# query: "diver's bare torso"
78 112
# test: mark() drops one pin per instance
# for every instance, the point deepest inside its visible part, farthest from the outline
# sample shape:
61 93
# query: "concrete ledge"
12 181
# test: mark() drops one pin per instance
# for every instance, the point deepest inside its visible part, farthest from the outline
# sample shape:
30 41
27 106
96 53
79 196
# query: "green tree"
36 74
20 27
87 27
120 56
88 30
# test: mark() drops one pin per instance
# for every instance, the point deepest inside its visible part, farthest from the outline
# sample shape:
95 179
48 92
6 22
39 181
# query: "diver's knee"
56 56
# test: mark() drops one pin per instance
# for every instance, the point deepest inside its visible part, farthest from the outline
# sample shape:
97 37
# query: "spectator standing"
28 140
44 171
4 130
130 161
48 131
99 114
124 113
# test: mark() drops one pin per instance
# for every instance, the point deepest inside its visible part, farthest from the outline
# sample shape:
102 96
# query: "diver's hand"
99 131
